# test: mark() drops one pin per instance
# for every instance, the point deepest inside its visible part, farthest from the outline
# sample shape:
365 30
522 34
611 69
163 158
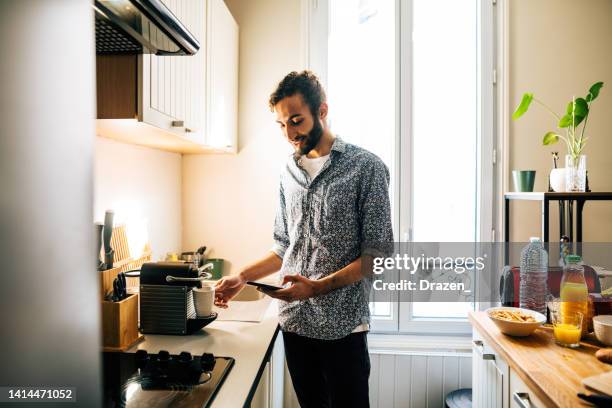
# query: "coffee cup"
203 299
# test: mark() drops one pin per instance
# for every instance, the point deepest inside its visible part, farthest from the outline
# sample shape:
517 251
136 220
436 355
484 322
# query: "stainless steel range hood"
140 27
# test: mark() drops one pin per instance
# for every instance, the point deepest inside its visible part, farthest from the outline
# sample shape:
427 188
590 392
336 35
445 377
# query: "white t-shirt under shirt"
313 167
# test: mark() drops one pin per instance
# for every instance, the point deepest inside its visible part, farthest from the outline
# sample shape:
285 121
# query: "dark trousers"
329 373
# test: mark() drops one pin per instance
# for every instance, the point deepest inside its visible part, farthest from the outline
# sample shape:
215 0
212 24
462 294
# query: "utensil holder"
120 324
106 280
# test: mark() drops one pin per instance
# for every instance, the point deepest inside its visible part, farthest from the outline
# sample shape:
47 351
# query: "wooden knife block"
106 280
120 324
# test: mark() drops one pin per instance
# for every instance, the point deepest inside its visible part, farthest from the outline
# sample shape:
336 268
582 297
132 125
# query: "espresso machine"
166 298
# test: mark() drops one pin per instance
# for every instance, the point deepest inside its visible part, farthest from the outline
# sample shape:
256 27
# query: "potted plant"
574 123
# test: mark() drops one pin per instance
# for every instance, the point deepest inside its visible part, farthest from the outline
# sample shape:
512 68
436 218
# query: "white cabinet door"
173 88
222 77
195 97
490 376
520 395
261 398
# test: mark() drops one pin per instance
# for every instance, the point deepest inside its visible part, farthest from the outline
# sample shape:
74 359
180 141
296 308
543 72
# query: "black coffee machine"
166 298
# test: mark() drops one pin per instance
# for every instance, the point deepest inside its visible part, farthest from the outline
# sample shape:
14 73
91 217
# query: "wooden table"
566 212
552 372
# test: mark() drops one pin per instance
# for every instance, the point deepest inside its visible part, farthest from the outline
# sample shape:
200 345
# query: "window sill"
402 344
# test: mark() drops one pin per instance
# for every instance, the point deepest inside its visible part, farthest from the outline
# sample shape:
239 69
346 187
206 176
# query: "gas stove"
162 380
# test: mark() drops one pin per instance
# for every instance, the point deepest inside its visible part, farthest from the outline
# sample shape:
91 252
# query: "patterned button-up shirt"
324 224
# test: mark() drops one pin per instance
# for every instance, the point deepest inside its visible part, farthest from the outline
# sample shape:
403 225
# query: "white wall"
559 48
143 186
229 201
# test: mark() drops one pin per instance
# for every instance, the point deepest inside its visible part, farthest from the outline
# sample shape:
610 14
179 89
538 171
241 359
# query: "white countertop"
246 342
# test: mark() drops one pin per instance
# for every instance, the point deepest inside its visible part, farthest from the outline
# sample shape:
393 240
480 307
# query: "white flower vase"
575 173
557 180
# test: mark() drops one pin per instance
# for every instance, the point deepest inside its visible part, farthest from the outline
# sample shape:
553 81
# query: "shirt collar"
339 145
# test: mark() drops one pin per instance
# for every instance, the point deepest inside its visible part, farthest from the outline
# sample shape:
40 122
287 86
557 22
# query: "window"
405 81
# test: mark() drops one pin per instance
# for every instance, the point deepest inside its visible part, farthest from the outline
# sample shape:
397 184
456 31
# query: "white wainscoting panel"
417 380
409 380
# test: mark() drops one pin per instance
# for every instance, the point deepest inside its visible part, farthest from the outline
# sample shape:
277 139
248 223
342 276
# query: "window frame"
315 30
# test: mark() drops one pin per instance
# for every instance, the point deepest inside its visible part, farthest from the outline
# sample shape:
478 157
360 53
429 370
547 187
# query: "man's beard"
312 139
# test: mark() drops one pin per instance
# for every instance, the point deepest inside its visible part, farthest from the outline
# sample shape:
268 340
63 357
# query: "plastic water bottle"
534 274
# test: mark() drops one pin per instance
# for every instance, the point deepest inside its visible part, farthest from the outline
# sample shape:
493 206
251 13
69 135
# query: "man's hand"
301 288
227 288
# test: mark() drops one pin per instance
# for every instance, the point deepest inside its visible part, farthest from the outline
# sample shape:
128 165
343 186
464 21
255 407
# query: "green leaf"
565 121
582 108
594 91
579 109
550 138
523 106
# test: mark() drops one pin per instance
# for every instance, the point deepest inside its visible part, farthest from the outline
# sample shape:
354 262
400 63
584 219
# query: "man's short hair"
306 84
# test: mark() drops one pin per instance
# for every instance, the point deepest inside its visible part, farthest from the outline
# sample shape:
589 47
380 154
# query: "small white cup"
203 299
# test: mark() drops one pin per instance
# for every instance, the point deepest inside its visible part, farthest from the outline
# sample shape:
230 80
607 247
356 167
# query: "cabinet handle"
178 123
187 130
522 399
479 346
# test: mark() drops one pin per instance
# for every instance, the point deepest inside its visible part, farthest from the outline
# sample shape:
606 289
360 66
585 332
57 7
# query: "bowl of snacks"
603 329
515 321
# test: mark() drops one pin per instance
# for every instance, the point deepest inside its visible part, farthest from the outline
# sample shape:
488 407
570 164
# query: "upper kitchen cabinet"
186 104
173 88
222 77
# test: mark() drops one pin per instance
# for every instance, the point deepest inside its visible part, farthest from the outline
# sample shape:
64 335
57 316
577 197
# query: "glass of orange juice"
567 328
574 291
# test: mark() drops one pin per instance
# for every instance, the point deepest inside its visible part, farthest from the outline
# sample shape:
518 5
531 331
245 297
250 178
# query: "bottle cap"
534 239
573 258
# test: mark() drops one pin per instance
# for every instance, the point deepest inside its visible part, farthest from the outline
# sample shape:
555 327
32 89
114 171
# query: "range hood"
140 27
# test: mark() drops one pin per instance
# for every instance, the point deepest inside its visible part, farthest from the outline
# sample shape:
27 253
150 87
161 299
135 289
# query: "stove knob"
207 361
185 357
142 357
163 357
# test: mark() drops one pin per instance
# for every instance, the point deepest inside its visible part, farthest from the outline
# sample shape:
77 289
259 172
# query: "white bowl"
519 329
602 325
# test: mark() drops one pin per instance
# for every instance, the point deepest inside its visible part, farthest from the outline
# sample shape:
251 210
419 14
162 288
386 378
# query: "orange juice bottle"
574 292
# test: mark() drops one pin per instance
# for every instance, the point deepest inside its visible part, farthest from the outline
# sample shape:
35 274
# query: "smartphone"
263 286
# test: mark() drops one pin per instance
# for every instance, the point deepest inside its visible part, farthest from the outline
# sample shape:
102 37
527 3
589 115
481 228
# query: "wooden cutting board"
601 383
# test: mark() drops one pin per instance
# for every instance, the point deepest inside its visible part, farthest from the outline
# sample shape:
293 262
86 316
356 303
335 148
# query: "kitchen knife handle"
116 295
597 400
121 286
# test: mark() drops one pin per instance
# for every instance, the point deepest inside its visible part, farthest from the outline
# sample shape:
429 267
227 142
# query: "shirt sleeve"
280 234
375 209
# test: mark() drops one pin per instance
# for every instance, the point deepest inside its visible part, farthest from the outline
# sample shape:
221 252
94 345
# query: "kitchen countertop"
250 344
552 372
